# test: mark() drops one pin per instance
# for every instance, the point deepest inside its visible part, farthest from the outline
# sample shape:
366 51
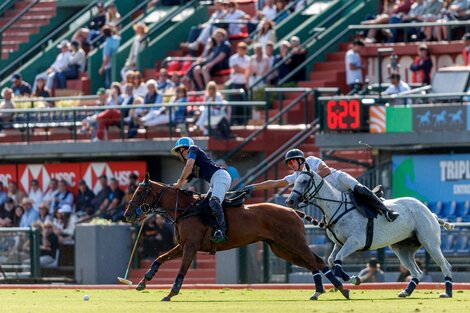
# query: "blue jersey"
204 167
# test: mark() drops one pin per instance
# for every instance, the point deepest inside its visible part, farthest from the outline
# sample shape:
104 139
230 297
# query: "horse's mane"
192 194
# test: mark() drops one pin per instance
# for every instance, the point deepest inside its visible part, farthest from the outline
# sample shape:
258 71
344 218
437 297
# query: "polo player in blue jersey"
200 165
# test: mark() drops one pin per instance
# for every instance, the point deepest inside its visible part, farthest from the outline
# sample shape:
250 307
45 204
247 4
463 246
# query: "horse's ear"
147 177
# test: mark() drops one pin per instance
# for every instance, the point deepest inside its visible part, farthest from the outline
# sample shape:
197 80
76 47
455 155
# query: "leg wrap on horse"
218 213
412 285
178 283
338 271
448 281
329 274
152 270
318 282
374 201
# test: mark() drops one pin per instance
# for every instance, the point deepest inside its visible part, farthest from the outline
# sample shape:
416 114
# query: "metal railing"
26 120
14 20
42 44
6 5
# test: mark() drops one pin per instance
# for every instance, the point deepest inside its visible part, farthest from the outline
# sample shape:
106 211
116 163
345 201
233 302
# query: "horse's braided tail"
309 219
446 225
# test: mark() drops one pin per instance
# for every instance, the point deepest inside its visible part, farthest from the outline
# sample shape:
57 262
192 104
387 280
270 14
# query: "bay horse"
280 227
415 227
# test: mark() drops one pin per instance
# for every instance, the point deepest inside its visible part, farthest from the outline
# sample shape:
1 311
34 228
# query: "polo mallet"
124 280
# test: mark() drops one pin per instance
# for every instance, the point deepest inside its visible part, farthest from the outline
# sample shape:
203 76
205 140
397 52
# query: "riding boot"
375 202
218 212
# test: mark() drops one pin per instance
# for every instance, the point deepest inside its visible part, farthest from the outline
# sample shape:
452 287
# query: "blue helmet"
183 142
294 154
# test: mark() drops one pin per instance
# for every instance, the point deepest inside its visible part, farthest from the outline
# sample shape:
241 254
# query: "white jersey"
338 179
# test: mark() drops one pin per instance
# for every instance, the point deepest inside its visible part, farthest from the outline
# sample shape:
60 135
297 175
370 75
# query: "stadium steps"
201 271
41 14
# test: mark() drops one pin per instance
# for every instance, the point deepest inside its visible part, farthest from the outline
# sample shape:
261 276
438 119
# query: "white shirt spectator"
270 35
140 91
36 197
78 58
244 62
269 12
353 76
61 62
396 89
235 15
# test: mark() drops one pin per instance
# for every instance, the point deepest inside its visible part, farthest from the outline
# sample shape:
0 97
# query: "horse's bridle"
302 196
145 208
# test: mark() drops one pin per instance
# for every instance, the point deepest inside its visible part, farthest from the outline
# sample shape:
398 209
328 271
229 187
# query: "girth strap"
369 234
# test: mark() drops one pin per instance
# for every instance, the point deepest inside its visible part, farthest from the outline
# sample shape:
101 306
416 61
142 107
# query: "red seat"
225 72
241 35
185 67
173 66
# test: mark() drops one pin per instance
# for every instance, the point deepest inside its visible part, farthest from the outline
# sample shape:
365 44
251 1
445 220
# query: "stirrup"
218 236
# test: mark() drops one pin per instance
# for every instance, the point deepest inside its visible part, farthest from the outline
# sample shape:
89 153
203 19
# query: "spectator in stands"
109 117
372 273
64 196
51 193
257 68
44 215
76 64
157 237
89 124
94 27
133 180
49 244
232 172
176 79
239 63
99 200
414 15
134 116
65 222
422 66
60 64
84 198
35 194
454 11
127 97
111 45
19 86
178 114
432 13
111 207
30 214
298 56
281 5
211 95
198 36
397 86
128 79
152 97
234 14
113 18
164 84
216 61
7 213
397 7
3 195
404 275
19 211
41 90
466 49
285 66
354 65
269 10
160 115
140 30
6 103
140 88
14 192
266 33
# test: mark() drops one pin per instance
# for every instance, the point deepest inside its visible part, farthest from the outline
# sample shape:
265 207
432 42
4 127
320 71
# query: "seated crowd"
56 212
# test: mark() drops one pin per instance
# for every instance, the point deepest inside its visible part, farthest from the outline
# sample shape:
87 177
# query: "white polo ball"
86 297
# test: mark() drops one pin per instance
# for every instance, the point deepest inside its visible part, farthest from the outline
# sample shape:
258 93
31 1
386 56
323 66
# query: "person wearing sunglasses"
342 181
199 165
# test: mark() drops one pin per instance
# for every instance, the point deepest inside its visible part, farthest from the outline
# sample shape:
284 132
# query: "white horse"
415 227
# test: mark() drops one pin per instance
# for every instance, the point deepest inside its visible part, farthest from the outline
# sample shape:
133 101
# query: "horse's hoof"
315 295
141 286
403 294
345 293
444 295
355 280
166 299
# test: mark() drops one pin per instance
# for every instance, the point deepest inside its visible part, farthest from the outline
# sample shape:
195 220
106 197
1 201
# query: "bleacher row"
454 211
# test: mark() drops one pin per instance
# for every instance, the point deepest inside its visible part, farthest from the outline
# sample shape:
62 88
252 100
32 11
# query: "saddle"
362 205
232 199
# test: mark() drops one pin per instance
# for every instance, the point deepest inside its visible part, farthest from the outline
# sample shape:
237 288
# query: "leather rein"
143 208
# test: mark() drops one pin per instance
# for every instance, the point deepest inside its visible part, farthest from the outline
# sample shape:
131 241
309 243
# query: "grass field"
227 300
